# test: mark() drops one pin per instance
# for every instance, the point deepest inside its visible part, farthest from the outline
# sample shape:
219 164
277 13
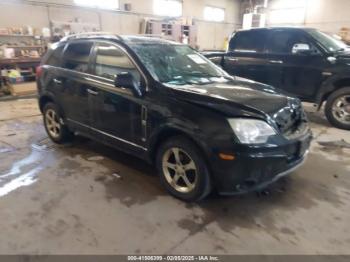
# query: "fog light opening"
249 183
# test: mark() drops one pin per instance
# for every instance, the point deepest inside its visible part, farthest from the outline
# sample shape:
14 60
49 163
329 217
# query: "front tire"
56 130
338 108
183 170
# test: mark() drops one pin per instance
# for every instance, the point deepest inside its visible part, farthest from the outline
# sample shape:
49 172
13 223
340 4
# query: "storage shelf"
24 60
24 46
14 35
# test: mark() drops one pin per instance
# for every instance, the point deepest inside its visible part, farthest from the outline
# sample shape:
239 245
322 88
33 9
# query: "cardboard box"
24 89
344 33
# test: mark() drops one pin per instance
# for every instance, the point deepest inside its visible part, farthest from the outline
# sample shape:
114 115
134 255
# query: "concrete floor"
66 200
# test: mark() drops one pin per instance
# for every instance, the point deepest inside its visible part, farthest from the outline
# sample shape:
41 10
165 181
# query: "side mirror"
332 59
301 49
126 80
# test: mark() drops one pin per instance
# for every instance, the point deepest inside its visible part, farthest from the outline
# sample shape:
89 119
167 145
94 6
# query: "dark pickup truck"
303 62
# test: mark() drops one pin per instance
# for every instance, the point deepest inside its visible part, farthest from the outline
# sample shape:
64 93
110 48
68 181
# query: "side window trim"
94 56
62 54
89 60
91 66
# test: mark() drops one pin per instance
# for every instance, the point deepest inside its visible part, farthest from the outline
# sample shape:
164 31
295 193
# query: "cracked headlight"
251 131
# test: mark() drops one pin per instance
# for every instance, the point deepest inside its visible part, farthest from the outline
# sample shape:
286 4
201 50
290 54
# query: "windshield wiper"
340 50
199 74
188 82
196 78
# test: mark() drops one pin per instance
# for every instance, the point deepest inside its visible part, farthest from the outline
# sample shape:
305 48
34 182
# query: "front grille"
291 121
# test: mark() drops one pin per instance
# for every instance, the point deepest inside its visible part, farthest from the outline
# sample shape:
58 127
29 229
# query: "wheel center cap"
180 170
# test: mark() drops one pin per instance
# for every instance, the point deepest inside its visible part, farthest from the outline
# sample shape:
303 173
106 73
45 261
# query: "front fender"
174 127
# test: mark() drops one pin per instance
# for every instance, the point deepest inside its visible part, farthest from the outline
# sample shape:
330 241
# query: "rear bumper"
255 170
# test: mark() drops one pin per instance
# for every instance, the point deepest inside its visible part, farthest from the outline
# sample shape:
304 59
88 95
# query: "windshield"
178 64
330 43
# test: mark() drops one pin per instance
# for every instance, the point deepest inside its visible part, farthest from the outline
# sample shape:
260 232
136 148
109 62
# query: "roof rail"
155 36
88 35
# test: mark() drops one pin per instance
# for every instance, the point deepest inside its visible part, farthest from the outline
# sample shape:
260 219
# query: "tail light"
39 71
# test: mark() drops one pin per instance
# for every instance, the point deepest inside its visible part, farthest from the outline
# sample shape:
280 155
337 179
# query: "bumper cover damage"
256 171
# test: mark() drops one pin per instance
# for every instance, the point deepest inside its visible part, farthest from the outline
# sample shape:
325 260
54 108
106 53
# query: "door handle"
233 59
276 61
56 81
92 92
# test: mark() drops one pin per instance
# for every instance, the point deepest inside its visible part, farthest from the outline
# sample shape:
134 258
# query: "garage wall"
212 35
327 15
286 12
38 13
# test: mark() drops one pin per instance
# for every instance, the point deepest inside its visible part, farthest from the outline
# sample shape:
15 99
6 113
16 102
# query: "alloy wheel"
341 109
179 170
52 123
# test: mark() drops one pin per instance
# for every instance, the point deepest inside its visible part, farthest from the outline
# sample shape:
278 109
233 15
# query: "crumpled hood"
345 53
239 97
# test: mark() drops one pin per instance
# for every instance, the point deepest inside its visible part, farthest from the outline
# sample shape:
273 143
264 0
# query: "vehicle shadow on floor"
143 172
96 148
256 210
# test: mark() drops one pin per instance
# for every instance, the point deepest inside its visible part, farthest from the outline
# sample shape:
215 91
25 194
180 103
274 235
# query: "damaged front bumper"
294 167
255 169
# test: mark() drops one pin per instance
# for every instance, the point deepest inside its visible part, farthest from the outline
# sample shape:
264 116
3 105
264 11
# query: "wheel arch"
335 119
332 87
169 132
43 100
47 98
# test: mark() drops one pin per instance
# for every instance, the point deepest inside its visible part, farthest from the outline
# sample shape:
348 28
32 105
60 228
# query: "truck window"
76 57
248 41
282 42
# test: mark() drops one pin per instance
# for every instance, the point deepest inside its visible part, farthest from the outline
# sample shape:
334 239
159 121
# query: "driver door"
116 112
297 73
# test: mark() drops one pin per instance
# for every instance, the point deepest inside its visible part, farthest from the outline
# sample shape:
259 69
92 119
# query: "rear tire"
183 170
55 128
337 108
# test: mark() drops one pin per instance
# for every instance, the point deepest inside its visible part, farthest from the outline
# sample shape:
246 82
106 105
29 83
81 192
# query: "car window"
76 56
111 60
55 56
248 41
282 42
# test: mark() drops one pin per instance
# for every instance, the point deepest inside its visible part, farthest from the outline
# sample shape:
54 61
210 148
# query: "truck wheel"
182 170
338 108
56 130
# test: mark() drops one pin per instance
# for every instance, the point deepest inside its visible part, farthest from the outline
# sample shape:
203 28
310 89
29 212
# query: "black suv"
165 103
304 62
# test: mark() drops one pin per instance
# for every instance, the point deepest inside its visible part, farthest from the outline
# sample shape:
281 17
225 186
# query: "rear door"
297 73
73 83
246 56
51 65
